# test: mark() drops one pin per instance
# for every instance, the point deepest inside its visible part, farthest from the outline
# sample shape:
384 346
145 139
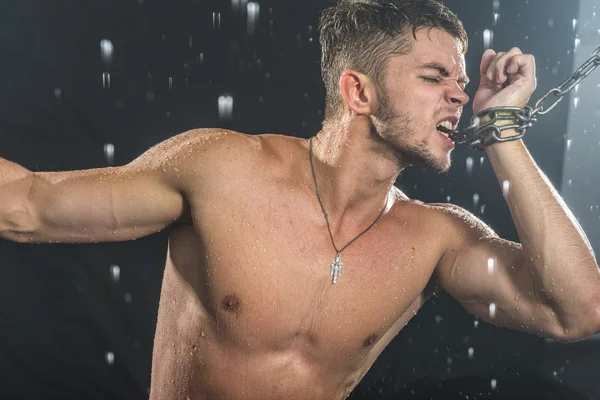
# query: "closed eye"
431 80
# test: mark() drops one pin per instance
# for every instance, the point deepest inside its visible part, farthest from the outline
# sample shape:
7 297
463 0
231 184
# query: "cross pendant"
336 268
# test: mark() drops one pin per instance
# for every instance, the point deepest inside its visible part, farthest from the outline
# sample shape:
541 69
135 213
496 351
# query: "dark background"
63 314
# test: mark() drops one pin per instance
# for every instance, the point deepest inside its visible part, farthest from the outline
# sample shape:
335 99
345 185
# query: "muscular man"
293 263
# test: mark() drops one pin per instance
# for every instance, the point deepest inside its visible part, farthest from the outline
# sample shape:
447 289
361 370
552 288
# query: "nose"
457 96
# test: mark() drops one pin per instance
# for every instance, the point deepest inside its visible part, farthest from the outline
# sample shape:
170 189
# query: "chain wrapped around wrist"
480 135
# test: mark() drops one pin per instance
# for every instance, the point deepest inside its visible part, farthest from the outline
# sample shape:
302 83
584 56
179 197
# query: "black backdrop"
69 329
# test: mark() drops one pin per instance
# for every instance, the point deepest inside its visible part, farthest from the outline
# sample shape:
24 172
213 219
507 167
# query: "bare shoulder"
188 146
460 223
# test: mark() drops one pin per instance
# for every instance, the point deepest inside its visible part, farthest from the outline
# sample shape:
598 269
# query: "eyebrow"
443 71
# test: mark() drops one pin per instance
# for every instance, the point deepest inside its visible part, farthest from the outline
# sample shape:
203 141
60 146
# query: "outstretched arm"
101 205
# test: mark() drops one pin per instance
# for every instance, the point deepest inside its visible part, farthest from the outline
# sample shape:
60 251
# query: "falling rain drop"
235 5
110 358
475 200
216 20
488 38
574 25
115 272
491 265
550 23
568 144
475 324
253 9
493 384
577 43
128 298
505 189
496 5
575 102
471 352
496 18
470 166
109 153
170 82
225 107
106 80
492 310
106 51
481 161
438 319
448 198
58 93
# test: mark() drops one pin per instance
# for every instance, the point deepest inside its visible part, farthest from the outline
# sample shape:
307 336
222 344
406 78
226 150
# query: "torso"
248 309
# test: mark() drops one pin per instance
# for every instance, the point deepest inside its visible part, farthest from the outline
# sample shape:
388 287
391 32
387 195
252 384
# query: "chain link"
479 136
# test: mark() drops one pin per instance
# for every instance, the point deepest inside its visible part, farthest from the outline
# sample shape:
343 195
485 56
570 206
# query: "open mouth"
445 129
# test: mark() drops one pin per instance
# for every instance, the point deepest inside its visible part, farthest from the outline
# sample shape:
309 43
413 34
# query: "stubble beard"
397 129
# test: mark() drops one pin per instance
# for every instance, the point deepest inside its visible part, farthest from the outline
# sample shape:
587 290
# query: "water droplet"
505 189
488 39
491 265
471 352
225 107
496 5
470 166
109 153
476 200
106 51
492 310
110 358
569 141
106 80
115 272
253 10
493 384
216 20
575 22
475 324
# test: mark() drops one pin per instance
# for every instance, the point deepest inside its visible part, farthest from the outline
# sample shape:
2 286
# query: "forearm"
562 262
15 183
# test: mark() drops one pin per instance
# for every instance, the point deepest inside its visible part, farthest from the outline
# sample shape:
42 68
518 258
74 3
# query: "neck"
353 174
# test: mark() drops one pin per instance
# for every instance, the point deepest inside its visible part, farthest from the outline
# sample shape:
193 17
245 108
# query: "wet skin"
248 309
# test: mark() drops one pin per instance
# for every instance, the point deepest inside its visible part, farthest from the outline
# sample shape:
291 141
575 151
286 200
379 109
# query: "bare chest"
260 270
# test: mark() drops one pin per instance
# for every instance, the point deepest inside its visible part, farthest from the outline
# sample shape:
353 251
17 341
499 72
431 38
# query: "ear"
358 92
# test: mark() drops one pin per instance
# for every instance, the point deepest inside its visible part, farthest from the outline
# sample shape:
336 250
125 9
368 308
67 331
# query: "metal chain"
480 136
312 168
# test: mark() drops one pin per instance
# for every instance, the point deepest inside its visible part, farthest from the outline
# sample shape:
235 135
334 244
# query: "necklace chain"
312 168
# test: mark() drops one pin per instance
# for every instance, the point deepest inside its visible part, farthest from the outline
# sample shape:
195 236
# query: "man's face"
420 90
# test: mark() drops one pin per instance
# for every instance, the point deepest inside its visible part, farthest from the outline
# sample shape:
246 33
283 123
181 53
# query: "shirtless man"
249 308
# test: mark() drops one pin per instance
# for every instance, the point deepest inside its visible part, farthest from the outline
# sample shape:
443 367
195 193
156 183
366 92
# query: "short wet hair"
363 34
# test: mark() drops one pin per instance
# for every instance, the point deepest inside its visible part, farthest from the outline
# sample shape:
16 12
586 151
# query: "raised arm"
101 205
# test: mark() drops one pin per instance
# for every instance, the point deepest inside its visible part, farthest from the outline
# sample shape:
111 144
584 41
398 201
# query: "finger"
502 63
486 60
491 72
522 66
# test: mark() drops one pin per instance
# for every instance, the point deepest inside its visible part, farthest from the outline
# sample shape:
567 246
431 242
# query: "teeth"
447 125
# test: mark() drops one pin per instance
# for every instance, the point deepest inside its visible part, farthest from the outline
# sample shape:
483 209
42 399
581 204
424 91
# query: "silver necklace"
336 265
